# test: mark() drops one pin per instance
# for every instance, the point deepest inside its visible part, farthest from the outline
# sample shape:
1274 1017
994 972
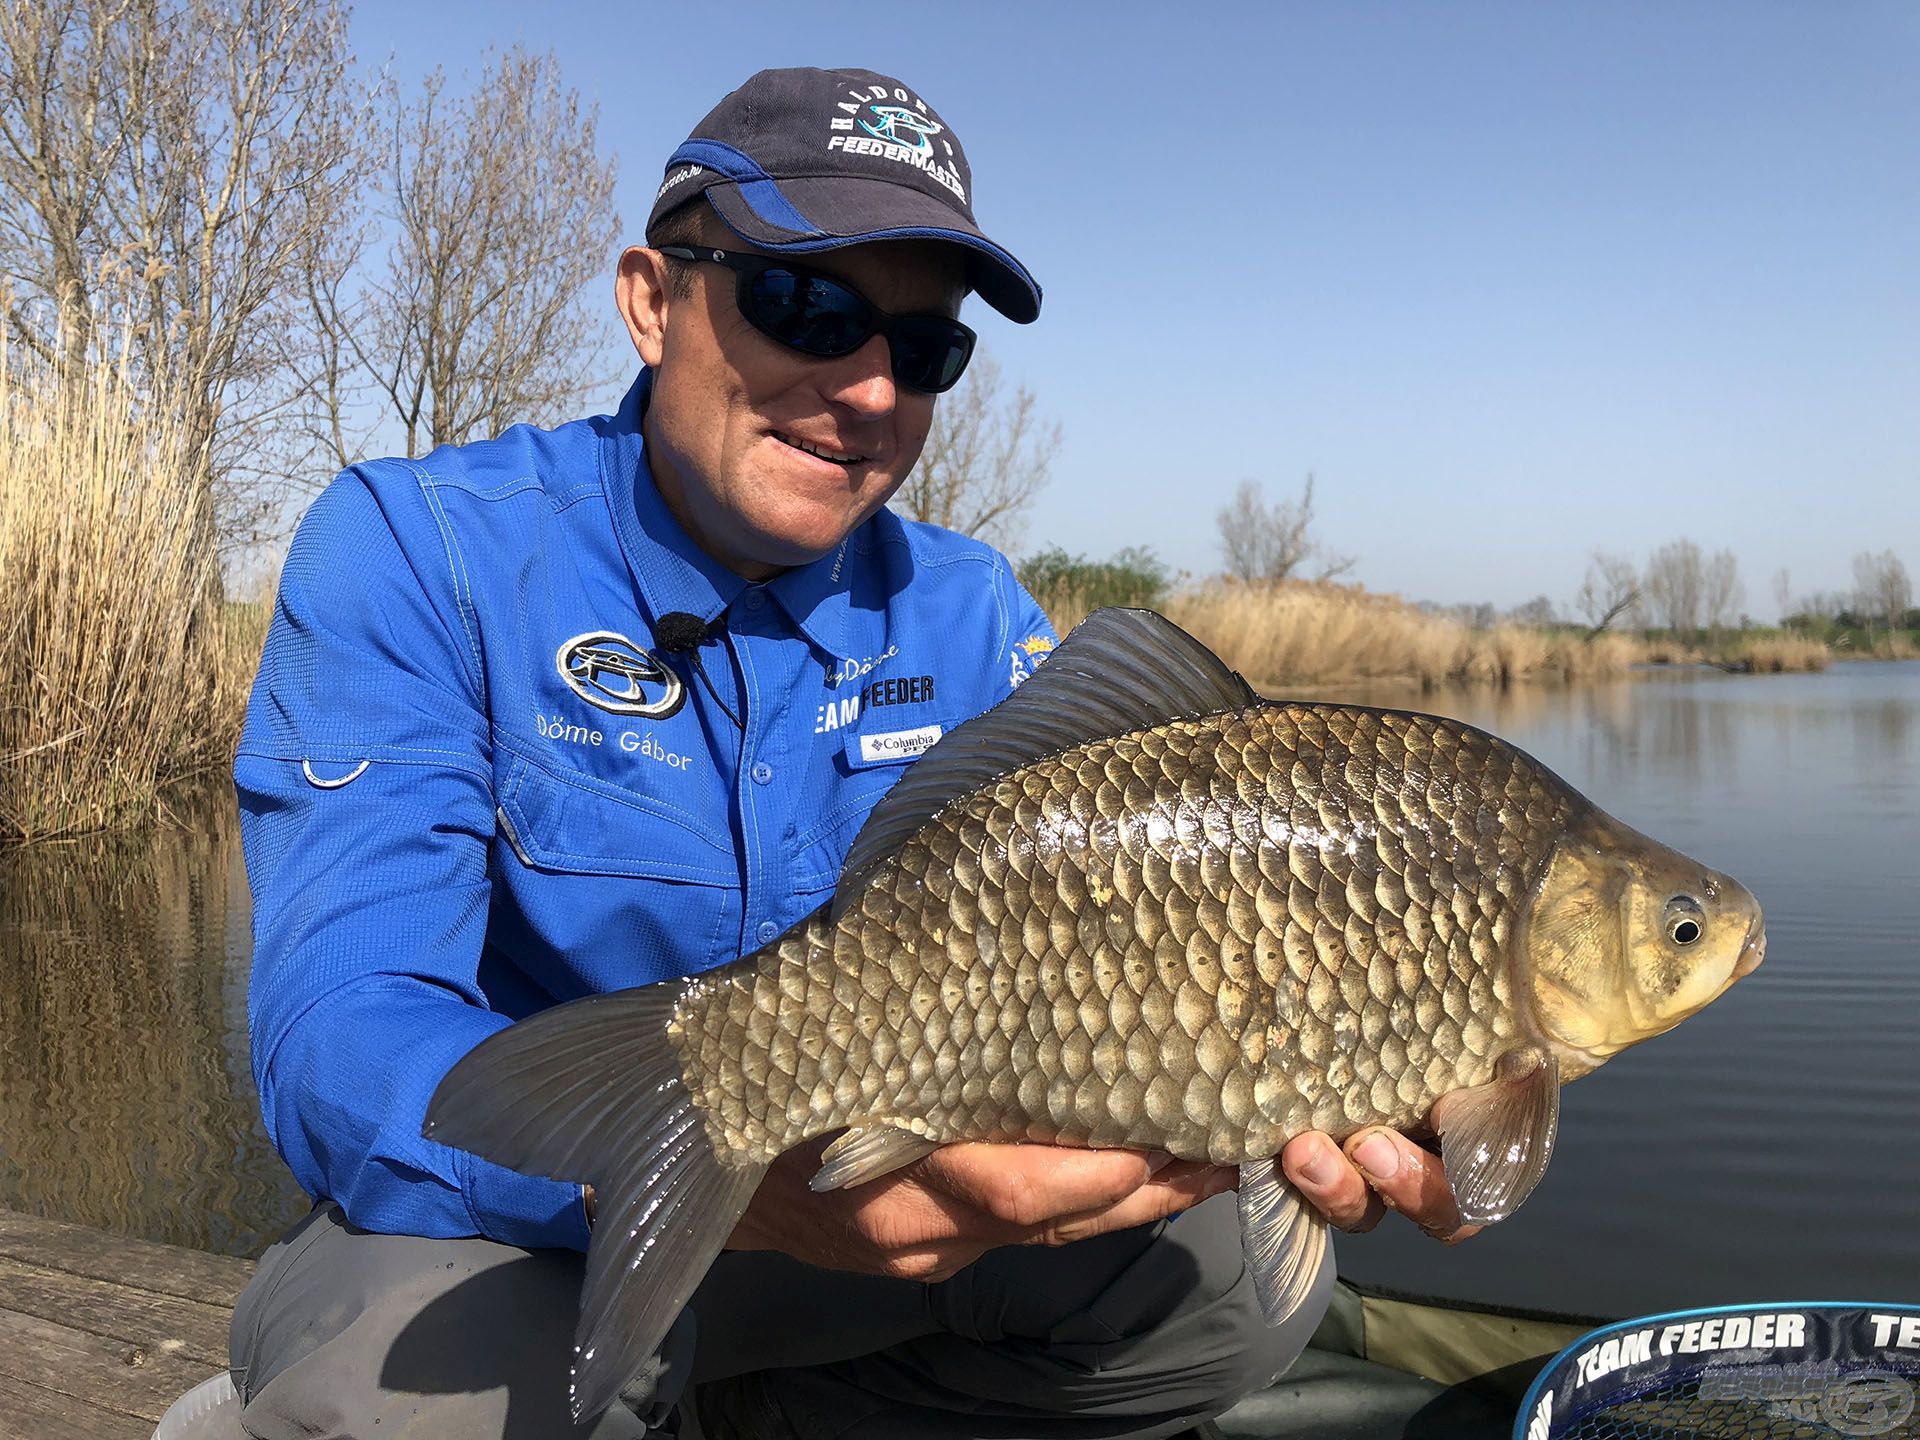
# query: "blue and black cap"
802 160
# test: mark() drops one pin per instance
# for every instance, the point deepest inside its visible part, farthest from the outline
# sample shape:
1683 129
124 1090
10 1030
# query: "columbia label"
898 744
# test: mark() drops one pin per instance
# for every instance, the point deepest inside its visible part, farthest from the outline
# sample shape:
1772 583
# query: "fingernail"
1157 1160
1322 1165
1378 1156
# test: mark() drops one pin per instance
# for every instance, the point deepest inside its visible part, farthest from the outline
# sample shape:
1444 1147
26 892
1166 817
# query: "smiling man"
576 710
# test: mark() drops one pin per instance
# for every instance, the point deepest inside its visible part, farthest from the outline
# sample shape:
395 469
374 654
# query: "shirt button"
762 773
756 597
767 931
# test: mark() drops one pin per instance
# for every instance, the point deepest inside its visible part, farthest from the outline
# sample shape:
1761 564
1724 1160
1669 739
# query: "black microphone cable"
680 633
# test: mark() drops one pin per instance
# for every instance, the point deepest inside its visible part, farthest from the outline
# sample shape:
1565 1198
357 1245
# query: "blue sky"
1514 280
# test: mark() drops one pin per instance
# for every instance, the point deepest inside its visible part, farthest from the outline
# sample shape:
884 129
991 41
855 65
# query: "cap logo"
896 118
897 128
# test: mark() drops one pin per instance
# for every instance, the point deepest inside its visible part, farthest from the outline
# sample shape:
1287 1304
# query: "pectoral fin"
1285 1239
1496 1138
866 1152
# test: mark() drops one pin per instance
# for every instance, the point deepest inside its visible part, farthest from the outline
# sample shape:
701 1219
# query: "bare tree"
1273 542
1882 591
986 458
500 209
162 165
1722 593
1610 590
1783 592
1537 612
1675 585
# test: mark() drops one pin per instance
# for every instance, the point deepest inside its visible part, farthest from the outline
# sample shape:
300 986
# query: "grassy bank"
119 670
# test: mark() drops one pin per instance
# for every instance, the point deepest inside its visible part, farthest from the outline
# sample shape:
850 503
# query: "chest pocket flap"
576 824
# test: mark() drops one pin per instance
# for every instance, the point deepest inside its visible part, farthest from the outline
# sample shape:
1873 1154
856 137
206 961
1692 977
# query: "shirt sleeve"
367 816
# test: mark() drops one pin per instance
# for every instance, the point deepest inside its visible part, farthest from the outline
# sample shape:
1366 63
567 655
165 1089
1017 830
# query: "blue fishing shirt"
468 791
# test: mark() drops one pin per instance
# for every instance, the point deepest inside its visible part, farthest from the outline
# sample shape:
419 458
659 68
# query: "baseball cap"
800 160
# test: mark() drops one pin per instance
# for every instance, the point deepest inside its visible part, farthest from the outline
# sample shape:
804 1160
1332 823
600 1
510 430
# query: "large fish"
1132 905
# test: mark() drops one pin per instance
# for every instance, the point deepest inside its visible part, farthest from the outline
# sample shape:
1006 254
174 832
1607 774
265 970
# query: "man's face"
735 414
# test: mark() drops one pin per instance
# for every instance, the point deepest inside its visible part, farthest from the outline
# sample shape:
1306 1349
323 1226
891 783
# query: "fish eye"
1686 921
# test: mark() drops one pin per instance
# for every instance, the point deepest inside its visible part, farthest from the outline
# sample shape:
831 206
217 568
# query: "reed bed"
116 673
1777 654
1308 633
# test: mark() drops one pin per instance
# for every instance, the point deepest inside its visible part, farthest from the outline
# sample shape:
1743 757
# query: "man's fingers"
1315 1167
1030 1186
1175 1188
1410 1180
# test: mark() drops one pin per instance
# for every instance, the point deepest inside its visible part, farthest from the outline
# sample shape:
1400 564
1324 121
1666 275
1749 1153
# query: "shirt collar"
674 573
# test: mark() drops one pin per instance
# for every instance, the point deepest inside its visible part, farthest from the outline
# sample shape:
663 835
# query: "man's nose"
863 381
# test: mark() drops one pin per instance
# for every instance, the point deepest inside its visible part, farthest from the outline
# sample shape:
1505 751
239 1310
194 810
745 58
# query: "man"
571 711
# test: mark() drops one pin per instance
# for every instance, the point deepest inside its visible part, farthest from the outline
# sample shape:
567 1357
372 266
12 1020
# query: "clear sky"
1515 280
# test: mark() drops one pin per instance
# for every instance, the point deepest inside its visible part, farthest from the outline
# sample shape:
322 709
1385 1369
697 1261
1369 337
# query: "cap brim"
865 210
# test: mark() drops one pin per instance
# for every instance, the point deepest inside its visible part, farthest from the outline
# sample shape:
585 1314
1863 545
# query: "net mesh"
1758 1406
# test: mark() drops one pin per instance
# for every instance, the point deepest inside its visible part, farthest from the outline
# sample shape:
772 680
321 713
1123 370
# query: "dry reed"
1300 633
116 675
1775 654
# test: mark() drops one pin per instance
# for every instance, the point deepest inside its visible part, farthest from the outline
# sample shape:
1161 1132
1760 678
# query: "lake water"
1766 1149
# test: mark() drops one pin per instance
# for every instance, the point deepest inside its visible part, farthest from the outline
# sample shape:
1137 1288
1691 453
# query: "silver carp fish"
1134 905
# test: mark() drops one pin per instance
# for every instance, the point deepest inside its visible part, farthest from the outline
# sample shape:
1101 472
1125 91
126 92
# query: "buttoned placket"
770 655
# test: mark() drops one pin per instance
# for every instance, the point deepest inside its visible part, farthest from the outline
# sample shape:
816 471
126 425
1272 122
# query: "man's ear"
640 290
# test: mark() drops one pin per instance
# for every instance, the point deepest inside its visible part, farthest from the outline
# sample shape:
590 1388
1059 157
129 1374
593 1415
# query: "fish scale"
1202 938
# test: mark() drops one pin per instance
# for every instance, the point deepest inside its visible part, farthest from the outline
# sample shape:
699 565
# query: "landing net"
1763 1372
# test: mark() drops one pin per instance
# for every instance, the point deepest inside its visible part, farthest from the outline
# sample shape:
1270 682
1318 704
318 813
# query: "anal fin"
866 1152
1285 1239
1496 1139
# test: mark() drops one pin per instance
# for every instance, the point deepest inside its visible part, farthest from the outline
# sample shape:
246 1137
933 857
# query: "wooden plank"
109 1374
29 1413
163 1269
160 1324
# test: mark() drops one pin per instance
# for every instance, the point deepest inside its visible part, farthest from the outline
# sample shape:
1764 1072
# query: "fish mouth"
1752 950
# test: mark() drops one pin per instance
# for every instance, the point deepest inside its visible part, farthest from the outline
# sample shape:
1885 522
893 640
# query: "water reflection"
125 1097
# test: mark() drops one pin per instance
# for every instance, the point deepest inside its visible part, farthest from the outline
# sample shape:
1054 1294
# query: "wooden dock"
99 1334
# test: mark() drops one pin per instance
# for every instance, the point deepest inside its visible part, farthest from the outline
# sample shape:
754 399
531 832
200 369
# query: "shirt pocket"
821 848
609 889
578 824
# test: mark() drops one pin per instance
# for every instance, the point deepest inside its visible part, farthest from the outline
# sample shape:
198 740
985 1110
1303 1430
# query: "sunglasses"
820 316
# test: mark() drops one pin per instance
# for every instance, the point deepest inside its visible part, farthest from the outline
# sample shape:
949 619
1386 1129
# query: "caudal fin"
591 1091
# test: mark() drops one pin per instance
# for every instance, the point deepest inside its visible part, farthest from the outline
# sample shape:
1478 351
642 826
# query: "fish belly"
1204 938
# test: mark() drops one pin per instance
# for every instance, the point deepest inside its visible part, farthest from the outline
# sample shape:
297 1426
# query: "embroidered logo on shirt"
1026 656
610 672
901 690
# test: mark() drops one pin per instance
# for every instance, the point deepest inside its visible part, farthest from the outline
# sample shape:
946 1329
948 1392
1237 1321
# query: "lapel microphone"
679 633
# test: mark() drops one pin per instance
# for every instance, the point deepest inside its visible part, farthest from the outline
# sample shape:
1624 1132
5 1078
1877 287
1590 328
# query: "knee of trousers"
1203 1360
1174 1331
346 1332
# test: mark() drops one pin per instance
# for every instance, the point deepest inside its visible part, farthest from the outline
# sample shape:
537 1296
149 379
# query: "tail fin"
591 1091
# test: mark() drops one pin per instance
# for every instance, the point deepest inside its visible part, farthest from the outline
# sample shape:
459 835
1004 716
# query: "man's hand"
937 1216
1380 1170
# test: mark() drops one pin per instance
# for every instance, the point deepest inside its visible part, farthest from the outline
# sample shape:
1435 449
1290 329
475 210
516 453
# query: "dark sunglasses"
818 315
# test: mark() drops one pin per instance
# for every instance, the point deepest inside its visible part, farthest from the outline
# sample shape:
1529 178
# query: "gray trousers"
1128 1336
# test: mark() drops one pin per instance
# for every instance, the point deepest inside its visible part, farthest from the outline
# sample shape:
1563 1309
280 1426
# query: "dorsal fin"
1119 670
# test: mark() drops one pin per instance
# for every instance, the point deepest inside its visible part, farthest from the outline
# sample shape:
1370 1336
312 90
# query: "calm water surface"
1765 1149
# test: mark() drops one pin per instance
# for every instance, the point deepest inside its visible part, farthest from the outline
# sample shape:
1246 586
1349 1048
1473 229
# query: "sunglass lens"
809 313
930 353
